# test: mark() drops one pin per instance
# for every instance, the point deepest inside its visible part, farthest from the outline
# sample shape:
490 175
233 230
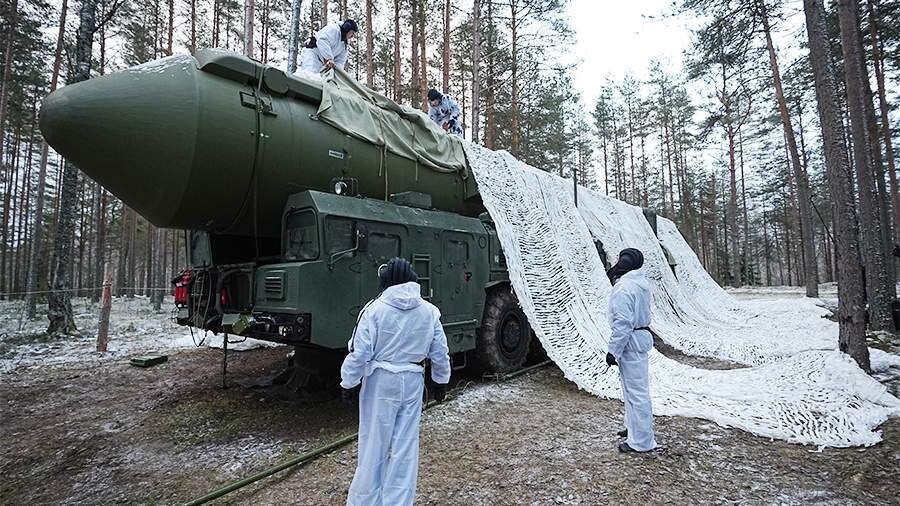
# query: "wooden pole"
105 307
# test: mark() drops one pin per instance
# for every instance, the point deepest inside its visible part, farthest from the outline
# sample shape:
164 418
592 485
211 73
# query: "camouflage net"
799 387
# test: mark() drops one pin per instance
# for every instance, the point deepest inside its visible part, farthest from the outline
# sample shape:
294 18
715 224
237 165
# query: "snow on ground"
135 328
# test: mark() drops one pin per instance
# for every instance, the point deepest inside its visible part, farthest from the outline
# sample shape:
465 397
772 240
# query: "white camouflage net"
799 389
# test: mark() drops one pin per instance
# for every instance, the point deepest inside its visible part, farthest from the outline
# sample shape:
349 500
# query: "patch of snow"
135 328
162 65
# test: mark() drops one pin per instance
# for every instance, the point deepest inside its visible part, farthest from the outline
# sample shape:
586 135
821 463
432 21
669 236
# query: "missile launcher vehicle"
289 212
292 192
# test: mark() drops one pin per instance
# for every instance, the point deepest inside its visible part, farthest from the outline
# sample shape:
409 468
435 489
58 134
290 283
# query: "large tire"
505 334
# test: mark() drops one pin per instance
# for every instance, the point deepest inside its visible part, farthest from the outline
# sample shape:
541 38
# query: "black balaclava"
396 272
434 94
348 26
630 259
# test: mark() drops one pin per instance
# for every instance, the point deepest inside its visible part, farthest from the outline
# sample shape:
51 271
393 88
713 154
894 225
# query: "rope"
330 447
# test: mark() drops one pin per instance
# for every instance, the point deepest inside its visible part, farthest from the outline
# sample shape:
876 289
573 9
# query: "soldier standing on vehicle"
396 332
328 48
629 347
443 110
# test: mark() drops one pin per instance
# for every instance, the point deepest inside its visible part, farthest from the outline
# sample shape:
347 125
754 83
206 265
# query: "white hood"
404 297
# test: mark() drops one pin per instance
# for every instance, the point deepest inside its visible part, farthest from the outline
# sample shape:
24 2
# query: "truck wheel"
502 343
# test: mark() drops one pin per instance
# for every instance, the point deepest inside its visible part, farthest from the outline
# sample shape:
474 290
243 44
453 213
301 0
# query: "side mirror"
362 237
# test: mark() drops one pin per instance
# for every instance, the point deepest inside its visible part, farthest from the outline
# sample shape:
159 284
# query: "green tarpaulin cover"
358 111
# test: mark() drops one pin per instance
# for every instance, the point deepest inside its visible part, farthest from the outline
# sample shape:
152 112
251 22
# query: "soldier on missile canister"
444 111
328 48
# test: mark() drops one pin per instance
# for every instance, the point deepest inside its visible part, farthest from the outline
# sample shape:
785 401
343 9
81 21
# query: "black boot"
622 433
624 448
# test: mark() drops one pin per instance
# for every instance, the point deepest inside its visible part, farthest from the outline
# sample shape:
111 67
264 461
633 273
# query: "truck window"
339 235
383 246
302 236
456 252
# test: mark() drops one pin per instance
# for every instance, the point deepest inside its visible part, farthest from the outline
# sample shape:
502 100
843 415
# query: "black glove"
349 395
610 359
440 392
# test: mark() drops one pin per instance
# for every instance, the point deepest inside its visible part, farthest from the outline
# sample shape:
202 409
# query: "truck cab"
310 294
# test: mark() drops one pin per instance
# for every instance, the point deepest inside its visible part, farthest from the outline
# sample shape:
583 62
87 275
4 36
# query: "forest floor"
99 431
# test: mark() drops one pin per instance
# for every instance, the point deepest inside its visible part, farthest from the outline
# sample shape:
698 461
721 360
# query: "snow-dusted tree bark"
880 299
59 302
851 308
294 36
249 18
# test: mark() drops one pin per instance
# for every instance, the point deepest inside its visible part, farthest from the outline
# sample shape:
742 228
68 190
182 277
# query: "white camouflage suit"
329 46
447 112
629 308
396 332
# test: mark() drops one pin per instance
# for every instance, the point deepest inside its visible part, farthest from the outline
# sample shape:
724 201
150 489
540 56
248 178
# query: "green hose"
334 445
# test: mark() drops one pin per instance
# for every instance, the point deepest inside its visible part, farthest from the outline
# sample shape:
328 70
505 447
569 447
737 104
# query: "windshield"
302 234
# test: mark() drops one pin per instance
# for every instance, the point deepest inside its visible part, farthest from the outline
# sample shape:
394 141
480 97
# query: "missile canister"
217 143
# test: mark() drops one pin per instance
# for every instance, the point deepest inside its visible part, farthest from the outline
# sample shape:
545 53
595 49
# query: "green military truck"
327 269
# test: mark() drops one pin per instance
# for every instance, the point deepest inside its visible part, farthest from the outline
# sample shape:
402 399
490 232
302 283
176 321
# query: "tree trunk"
370 47
122 264
100 244
423 62
745 246
878 60
59 301
397 50
514 82
249 14
490 134
171 33
446 51
851 308
880 301
35 262
476 70
806 222
294 36
7 72
216 22
731 211
766 249
889 280
264 36
193 46
414 52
